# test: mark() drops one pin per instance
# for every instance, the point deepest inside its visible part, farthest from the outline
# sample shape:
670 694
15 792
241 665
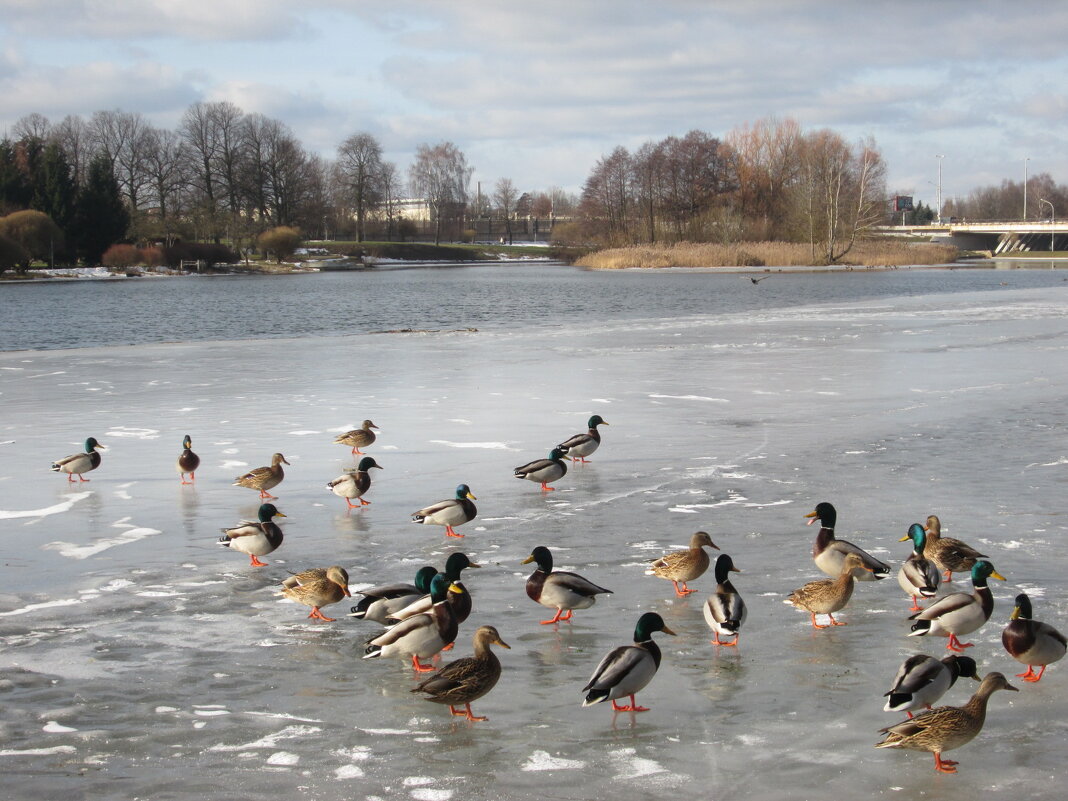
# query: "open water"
140 660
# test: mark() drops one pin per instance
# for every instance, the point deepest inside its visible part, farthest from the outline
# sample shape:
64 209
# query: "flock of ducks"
422 618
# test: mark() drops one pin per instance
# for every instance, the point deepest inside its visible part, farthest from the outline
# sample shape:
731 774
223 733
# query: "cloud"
58 91
211 20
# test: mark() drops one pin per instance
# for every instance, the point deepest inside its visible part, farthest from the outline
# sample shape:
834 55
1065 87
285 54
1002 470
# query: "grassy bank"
869 253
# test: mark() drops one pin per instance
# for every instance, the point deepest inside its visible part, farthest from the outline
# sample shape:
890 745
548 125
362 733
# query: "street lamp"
1025 187
1052 224
938 202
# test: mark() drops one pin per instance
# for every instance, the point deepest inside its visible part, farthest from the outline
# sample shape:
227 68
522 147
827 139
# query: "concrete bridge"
995 237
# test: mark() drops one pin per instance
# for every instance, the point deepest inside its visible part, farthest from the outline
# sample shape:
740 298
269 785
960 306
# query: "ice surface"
182 675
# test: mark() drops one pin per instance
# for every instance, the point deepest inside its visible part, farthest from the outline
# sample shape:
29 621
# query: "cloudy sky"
537 92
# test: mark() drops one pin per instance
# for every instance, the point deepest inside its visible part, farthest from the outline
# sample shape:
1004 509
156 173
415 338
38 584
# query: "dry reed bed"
868 253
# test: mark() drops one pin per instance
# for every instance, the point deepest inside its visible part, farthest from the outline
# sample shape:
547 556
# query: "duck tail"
595 697
418 518
224 540
372 651
920 628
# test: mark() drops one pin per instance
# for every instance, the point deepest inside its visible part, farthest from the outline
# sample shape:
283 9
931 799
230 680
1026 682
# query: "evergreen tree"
100 218
14 190
56 192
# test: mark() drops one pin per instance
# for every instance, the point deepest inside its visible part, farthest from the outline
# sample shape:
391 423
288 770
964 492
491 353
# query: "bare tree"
505 195
163 167
359 165
72 134
440 174
32 126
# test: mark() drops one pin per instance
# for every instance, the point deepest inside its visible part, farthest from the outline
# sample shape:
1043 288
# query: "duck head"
918 536
456 563
649 623
464 491
595 421
724 567
267 511
543 556
982 570
825 513
1022 610
366 463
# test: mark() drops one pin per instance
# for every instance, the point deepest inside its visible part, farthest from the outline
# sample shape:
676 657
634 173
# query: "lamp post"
1025 187
938 201
1052 224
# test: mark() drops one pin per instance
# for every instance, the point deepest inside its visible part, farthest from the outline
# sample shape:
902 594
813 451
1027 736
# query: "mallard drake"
826 596
918 576
921 680
724 610
627 669
580 446
467 679
358 437
947 727
950 555
255 539
188 462
829 552
354 483
421 636
318 587
459 601
1030 641
80 463
379 603
544 471
453 512
678 567
560 590
264 478
959 613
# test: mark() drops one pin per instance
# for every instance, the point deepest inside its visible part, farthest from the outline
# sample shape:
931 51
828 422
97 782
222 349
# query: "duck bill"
279 514
811 516
666 630
456 589
1015 614
527 561
906 537
473 564
997 575
472 497
502 643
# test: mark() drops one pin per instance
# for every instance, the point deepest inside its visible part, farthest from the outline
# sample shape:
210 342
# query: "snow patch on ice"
52 727
271 740
493 446
424 794
542 760
283 758
56 749
690 397
348 772
74 551
55 509
629 766
44 605
132 433
302 433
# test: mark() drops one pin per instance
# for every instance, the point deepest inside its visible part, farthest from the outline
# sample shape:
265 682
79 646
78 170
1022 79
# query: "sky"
538 92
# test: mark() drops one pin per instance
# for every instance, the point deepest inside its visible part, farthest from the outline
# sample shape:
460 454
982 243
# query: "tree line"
1006 201
221 176
761 182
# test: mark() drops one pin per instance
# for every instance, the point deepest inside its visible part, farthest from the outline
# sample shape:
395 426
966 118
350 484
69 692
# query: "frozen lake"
140 660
